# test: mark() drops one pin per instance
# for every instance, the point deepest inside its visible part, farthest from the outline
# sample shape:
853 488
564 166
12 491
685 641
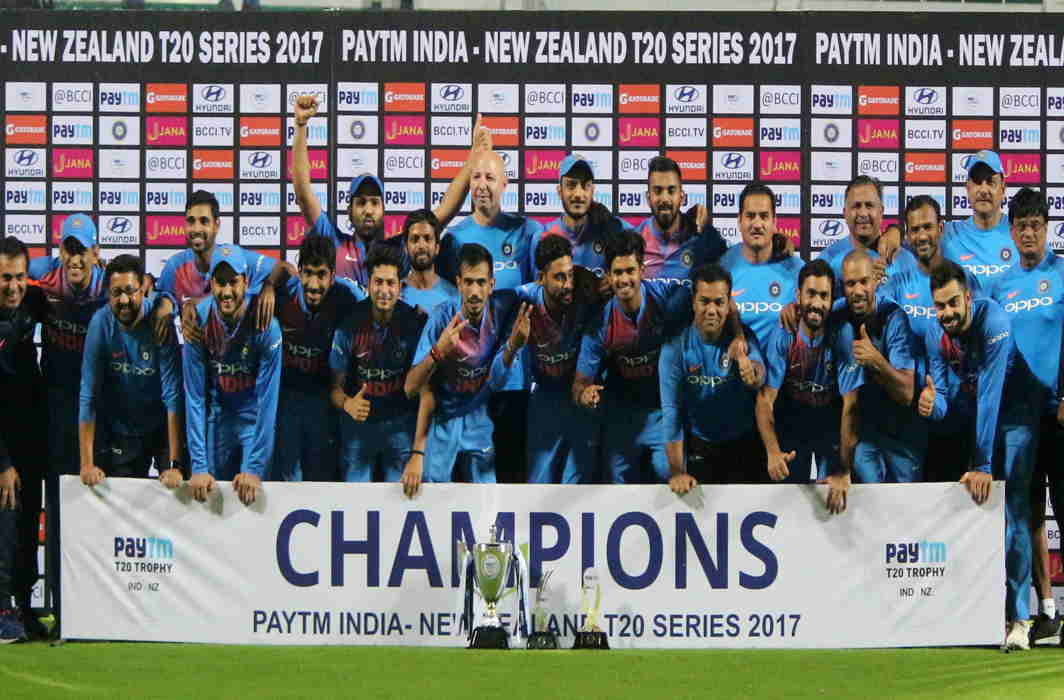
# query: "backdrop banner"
727 566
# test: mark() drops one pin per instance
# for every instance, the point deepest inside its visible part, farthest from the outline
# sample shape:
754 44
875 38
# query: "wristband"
417 452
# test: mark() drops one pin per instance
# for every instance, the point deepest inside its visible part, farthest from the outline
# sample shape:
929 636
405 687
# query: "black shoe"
35 629
1044 627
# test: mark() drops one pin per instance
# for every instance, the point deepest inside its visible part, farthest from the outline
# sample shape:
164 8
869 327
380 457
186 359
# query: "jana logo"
926 96
830 228
260 159
452 93
686 93
213 93
26 158
734 161
922 552
358 129
120 225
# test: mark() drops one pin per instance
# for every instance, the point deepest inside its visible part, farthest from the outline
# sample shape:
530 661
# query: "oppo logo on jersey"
68 326
759 307
920 311
638 366
221 368
501 265
474 373
1027 305
377 374
556 358
808 387
126 368
301 350
986 269
702 380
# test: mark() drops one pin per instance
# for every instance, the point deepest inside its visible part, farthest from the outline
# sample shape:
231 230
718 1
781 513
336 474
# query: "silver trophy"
491 569
542 638
591 635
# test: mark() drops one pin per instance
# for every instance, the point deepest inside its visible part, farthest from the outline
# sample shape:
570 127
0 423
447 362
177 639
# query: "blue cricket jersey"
629 348
308 337
554 343
1034 301
463 382
234 376
993 376
985 254
761 290
67 321
508 239
127 377
674 257
351 252
378 357
837 252
589 241
429 299
184 281
701 390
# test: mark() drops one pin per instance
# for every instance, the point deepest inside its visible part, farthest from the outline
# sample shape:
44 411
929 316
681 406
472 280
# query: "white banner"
727 566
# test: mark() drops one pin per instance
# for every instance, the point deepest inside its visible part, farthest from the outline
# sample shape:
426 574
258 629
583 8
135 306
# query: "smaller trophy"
591 635
491 567
542 638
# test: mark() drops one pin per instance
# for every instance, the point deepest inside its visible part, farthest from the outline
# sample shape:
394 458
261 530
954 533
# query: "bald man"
509 238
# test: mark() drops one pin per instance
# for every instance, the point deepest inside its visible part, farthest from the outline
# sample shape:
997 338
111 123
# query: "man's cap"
81 228
357 183
231 255
574 160
988 158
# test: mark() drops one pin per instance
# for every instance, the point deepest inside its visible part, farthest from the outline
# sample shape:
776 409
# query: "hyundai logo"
120 225
591 131
119 130
734 161
926 96
686 93
358 129
505 158
830 228
1062 133
831 133
452 93
260 159
26 158
1060 229
213 93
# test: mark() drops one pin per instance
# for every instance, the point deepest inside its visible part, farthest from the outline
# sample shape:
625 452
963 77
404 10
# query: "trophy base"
543 640
488 637
591 640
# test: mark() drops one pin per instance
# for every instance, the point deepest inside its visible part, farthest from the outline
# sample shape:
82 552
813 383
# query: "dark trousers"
739 461
19 541
509 413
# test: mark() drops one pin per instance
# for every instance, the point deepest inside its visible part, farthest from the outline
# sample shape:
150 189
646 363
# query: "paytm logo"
357 97
831 99
590 99
1020 135
922 552
143 548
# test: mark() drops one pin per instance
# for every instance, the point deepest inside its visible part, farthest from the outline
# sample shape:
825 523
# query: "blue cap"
81 228
231 255
571 161
988 158
361 179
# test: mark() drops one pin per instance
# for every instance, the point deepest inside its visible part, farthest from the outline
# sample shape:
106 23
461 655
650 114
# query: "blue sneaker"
11 629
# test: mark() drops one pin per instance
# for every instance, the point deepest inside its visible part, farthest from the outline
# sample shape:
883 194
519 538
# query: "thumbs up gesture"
927 399
357 406
864 351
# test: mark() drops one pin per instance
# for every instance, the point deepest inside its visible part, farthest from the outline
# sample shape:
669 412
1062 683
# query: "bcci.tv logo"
922 552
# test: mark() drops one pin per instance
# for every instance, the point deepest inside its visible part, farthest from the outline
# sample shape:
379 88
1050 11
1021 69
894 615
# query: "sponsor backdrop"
122 115
733 566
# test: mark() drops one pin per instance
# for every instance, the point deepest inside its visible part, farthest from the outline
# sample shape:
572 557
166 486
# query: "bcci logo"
831 133
725 362
591 131
1006 254
597 247
244 351
687 258
1043 286
119 130
146 356
490 565
507 249
774 289
358 129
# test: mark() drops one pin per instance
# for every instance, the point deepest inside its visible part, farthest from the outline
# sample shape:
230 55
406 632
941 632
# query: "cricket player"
372 352
423 287
975 342
232 380
707 397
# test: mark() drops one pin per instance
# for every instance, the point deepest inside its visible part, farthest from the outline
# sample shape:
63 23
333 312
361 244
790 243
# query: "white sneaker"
1017 638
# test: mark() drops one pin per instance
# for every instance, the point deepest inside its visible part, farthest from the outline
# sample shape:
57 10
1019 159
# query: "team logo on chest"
1043 286
774 289
507 249
597 247
687 258
146 356
725 362
1006 254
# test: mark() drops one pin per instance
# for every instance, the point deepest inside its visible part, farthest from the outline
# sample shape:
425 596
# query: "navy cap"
362 179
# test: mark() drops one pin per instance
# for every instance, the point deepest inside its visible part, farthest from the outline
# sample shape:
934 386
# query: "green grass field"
119 671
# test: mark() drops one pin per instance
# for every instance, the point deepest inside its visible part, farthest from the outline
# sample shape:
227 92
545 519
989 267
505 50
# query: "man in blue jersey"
365 208
707 400
311 305
761 282
974 341
563 438
1032 294
186 277
371 354
808 406
981 243
465 354
130 387
423 287
625 344
232 380
892 438
23 431
864 218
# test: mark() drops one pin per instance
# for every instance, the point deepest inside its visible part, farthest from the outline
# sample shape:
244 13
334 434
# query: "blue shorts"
563 439
306 438
229 439
460 446
882 458
375 451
